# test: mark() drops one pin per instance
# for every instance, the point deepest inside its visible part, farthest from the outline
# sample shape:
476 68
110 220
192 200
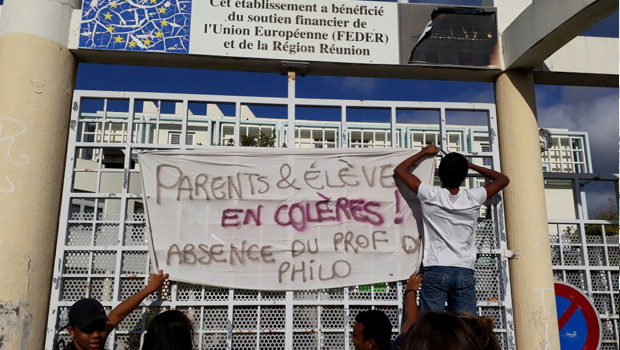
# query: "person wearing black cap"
89 325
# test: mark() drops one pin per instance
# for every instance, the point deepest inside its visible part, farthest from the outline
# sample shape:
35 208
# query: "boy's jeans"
457 285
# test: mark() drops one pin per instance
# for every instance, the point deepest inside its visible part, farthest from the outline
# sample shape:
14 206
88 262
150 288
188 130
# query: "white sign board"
282 219
333 31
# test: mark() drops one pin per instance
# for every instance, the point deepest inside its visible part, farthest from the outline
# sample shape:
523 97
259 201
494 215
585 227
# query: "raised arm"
498 180
119 313
402 170
411 303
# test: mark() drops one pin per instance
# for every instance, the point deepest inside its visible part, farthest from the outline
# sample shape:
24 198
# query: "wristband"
409 290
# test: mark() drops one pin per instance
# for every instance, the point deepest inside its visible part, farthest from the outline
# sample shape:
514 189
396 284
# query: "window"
174 138
369 138
486 161
566 155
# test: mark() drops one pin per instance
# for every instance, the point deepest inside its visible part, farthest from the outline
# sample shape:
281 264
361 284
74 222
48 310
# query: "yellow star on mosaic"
164 23
161 10
147 41
114 4
110 28
132 44
158 34
153 1
118 39
107 16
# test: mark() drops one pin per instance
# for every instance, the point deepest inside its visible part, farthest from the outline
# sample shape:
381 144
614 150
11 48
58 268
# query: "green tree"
263 140
609 212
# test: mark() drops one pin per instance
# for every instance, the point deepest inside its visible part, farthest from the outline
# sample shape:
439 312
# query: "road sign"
578 320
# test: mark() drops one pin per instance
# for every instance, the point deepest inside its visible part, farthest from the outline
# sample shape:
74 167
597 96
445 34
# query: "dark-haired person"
450 217
170 330
372 331
482 327
440 331
89 326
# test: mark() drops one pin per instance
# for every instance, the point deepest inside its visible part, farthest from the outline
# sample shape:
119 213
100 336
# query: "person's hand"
431 150
156 281
414 281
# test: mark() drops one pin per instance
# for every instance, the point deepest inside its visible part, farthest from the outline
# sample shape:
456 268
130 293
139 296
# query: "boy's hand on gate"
431 150
156 281
414 281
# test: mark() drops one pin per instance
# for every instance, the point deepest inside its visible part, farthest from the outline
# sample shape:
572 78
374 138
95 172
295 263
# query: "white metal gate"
585 252
102 248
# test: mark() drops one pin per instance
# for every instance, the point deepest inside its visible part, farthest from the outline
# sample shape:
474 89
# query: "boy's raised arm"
402 170
116 316
499 181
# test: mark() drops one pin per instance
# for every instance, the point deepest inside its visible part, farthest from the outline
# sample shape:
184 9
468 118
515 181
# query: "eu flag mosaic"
136 25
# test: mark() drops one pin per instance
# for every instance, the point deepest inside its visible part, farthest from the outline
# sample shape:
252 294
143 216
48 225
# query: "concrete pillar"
37 74
536 323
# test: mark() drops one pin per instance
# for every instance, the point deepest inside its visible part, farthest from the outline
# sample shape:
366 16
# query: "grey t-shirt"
450 225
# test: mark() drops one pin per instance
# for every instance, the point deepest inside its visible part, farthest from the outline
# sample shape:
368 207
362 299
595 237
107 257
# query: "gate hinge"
301 68
510 254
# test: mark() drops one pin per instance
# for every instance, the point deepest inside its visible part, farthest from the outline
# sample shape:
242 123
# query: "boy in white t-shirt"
450 217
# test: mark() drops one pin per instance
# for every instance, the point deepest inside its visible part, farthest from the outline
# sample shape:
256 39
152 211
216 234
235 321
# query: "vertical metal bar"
346 302
276 132
576 189
502 234
157 122
218 139
580 215
258 332
237 132
401 310
149 128
291 109
344 137
140 131
443 136
586 146
584 205
393 126
57 280
123 211
231 320
209 133
103 123
184 114
288 312
319 326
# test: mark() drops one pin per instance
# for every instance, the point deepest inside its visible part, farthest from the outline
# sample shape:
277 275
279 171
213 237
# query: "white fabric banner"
280 219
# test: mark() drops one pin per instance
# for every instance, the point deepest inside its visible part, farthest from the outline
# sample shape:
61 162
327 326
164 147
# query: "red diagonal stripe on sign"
567 315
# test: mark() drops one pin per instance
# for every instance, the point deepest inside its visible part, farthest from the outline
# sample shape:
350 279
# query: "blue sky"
580 109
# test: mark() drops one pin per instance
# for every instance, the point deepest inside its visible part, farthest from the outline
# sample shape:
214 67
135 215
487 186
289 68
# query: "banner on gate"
280 219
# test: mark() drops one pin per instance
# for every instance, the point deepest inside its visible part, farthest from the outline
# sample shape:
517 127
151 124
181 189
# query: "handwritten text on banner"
282 219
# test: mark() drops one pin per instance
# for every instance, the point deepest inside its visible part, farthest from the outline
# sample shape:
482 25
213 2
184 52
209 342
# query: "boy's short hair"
453 170
377 326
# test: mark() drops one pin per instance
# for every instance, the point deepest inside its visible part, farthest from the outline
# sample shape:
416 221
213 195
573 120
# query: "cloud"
594 110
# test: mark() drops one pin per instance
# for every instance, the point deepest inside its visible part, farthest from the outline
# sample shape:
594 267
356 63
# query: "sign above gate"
357 32
360 32
285 219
